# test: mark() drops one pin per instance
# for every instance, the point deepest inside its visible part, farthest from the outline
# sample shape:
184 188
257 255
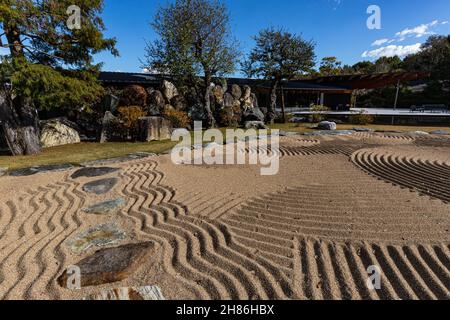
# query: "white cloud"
418 32
380 42
392 50
444 22
4 51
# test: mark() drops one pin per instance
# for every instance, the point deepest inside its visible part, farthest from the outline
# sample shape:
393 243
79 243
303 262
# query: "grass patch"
78 153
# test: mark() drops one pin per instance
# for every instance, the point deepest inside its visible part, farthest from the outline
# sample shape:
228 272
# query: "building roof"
334 84
146 79
128 78
369 81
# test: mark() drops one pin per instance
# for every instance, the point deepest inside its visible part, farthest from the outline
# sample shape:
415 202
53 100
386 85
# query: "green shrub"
178 118
318 117
129 121
228 119
279 118
362 118
134 96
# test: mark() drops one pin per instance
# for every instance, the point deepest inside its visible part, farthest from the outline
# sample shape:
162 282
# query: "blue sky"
337 26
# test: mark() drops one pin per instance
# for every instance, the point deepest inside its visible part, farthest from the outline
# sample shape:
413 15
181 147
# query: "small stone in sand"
100 186
106 207
102 235
146 293
112 264
3 171
93 172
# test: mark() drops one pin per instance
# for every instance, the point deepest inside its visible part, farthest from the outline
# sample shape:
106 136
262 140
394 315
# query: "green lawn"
82 152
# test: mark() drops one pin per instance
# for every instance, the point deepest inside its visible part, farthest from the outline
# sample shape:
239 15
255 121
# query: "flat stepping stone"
112 264
330 133
100 186
129 157
93 172
363 130
147 293
441 133
99 236
40 169
106 208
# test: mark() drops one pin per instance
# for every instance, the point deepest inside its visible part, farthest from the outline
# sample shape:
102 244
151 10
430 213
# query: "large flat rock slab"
441 133
129 157
100 186
92 172
40 169
106 208
112 264
146 293
98 236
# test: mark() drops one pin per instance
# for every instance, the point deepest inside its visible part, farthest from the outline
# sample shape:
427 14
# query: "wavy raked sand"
337 206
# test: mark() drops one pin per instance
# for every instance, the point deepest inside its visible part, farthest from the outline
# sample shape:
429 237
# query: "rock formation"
55 133
154 129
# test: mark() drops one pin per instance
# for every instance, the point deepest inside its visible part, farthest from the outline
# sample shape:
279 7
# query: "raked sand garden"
338 205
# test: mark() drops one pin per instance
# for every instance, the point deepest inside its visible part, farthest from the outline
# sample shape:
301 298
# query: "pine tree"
50 65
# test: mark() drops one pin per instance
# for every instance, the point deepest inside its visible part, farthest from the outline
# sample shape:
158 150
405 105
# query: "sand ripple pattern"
200 253
317 243
324 148
427 177
33 228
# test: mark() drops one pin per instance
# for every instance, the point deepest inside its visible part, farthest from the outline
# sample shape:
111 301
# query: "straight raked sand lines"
339 271
335 267
199 251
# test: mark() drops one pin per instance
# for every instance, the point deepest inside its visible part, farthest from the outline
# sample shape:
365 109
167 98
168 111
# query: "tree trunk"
211 122
19 119
20 125
283 105
270 117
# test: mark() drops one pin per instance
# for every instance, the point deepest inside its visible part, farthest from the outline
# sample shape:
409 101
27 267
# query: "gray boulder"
154 129
252 114
258 125
247 101
179 103
326 125
156 103
197 113
218 93
236 91
55 133
169 90
108 127
254 100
